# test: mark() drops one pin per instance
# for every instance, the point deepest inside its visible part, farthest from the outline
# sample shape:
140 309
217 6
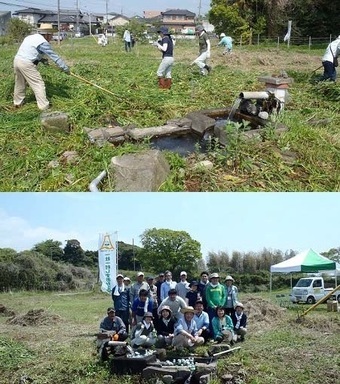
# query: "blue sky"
219 221
127 7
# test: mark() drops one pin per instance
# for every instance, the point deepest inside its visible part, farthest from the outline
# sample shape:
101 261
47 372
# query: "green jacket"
215 296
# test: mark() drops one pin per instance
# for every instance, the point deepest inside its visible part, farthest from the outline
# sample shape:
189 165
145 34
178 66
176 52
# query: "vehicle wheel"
310 300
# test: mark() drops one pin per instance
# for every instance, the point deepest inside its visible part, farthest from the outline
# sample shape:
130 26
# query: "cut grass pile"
305 158
57 345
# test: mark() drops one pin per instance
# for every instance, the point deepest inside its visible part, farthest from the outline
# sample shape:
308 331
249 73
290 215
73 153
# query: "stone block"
139 134
141 172
200 123
55 122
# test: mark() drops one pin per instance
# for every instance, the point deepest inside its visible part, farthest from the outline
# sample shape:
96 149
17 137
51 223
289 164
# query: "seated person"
140 306
239 319
192 295
111 327
202 321
186 331
223 327
144 334
165 326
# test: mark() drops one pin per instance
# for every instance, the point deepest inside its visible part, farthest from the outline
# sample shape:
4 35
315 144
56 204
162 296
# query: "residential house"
31 15
178 20
118 20
5 17
151 14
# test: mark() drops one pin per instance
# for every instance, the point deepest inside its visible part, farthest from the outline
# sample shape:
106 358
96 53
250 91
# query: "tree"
333 254
51 249
167 249
73 253
218 261
7 254
18 29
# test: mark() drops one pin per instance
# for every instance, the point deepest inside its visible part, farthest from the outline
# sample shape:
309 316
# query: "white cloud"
19 234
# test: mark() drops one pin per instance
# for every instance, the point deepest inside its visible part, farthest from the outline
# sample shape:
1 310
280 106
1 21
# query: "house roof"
35 11
63 19
178 12
151 14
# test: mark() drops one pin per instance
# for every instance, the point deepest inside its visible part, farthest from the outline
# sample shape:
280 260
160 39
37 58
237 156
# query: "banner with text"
107 262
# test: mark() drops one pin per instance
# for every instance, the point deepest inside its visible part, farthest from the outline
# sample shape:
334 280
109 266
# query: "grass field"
59 345
305 158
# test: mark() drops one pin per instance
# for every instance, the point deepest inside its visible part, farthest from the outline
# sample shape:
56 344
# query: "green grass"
278 348
27 150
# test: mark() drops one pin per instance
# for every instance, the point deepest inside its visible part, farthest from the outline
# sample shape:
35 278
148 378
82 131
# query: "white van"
310 290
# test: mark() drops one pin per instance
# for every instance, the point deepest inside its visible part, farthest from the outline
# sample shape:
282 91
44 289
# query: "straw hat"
46 29
229 278
187 310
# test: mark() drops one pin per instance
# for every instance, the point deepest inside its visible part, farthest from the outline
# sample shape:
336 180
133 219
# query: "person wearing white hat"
186 331
330 60
204 51
121 300
137 286
182 287
231 295
30 53
239 319
215 296
227 43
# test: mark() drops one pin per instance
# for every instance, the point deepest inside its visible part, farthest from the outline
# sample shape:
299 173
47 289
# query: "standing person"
227 43
231 295
204 49
121 300
137 286
239 319
223 327
192 295
204 280
215 295
175 303
182 286
166 46
29 54
153 295
127 40
167 285
329 60
160 281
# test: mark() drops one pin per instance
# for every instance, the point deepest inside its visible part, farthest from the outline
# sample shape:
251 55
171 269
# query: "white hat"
140 274
214 275
183 273
239 304
127 278
119 275
229 278
222 34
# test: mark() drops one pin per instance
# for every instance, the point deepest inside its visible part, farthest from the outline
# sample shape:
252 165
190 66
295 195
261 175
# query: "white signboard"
107 262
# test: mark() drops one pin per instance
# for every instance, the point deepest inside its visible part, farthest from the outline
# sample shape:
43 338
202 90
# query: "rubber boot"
168 83
161 82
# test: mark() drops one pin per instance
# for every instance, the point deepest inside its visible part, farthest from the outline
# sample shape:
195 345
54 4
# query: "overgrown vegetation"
305 158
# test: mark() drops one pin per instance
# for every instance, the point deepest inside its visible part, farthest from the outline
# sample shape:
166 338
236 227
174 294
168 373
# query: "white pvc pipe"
93 187
254 95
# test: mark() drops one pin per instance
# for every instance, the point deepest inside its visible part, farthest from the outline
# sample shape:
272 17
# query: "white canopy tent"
307 261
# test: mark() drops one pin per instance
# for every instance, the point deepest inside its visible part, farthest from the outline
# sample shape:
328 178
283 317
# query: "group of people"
166 313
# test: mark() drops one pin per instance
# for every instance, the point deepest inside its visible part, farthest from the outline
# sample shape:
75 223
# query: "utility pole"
199 9
58 25
77 17
107 14
133 254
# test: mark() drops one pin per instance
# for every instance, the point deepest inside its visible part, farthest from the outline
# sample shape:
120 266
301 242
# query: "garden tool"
94 85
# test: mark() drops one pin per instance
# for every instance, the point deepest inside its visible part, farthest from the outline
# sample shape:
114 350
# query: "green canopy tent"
307 261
